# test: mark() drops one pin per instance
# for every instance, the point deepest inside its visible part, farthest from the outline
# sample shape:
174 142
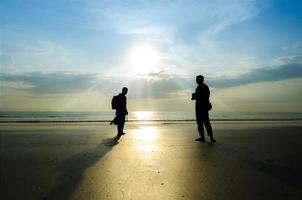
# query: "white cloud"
36 56
162 18
288 59
152 85
16 85
297 45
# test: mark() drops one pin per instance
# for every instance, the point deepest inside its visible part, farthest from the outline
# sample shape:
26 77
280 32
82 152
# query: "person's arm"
194 95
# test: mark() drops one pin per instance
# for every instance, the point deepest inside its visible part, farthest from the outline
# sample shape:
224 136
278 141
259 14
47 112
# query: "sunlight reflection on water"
143 115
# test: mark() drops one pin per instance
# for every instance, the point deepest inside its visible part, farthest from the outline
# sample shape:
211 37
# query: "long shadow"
282 173
71 170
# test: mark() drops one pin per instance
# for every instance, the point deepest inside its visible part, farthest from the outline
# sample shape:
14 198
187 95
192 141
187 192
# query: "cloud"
15 85
182 30
57 82
35 56
288 60
265 74
6 62
163 19
294 46
154 85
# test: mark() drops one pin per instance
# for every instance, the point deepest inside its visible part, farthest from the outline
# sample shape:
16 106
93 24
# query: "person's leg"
120 126
208 126
198 114
200 130
121 129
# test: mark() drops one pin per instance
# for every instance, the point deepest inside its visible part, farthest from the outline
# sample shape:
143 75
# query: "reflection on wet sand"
146 138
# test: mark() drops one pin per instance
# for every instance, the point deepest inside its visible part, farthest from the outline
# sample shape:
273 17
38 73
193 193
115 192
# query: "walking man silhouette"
120 104
202 107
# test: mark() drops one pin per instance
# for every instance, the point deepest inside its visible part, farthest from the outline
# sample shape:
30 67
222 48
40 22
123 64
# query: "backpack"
115 102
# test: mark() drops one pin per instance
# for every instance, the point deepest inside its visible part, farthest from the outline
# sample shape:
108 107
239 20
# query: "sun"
144 59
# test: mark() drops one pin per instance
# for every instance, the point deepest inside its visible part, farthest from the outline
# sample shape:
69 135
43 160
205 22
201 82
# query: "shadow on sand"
282 173
71 170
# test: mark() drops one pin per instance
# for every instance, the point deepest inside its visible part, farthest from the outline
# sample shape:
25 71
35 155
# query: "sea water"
9 116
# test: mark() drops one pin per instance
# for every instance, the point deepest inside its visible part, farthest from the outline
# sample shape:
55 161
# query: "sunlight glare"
145 133
143 115
144 59
146 138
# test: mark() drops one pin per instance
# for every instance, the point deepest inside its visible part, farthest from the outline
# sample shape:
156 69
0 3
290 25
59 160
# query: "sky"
74 55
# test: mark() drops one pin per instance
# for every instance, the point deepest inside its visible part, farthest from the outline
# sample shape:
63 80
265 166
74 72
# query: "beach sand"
251 160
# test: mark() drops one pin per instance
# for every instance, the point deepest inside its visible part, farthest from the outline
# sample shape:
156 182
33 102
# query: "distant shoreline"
140 117
145 121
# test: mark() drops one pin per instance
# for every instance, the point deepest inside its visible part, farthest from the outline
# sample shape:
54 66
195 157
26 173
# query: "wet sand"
251 160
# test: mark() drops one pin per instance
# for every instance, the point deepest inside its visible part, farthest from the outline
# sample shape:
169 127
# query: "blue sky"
78 49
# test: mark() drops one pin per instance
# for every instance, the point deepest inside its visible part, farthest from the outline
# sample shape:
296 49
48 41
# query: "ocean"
9 116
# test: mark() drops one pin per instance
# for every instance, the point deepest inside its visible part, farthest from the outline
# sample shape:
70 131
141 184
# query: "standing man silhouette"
202 107
121 112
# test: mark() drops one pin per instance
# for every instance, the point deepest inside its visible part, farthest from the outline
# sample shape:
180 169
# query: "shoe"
213 140
120 134
201 139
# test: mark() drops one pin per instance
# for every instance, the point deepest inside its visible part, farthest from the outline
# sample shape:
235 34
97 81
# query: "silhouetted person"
119 103
202 107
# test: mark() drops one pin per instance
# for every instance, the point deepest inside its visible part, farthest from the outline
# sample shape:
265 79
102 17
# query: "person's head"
199 79
124 90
